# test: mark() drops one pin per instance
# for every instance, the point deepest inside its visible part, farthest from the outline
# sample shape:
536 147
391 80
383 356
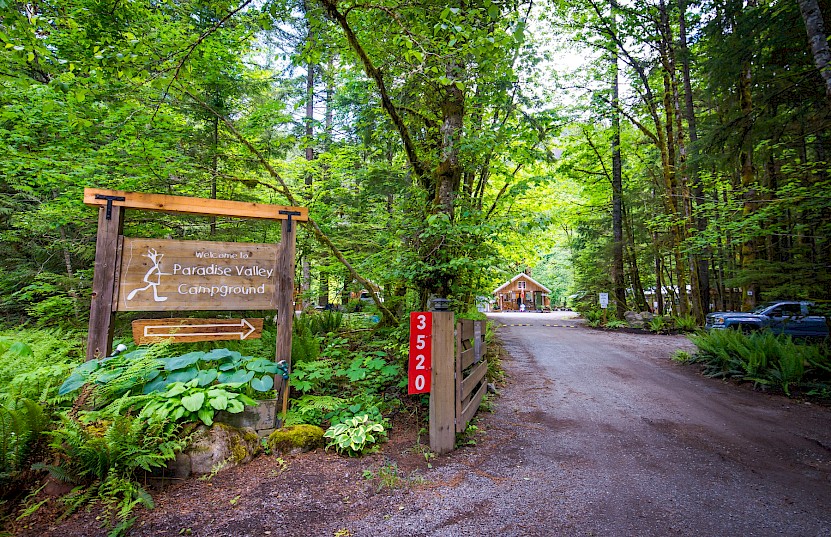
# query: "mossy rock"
297 438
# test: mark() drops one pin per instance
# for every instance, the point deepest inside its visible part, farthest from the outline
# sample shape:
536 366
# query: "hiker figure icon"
153 276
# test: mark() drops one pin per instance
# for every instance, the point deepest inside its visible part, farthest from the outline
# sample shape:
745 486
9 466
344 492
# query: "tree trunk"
699 264
818 39
306 267
749 190
214 167
618 281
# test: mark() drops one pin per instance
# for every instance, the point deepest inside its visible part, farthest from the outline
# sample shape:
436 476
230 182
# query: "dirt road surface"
600 433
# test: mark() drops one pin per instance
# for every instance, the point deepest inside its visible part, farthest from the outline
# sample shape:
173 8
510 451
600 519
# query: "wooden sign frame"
108 250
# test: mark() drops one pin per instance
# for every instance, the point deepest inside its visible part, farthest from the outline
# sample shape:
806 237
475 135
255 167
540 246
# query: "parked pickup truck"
793 318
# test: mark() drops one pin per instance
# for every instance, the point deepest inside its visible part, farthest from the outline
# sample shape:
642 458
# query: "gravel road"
600 433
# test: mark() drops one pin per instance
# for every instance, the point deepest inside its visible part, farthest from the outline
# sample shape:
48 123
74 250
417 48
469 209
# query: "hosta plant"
190 402
355 436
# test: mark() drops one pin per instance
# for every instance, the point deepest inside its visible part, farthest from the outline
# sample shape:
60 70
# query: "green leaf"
220 402
157 385
240 377
104 378
262 384
22 350
174 389
194 401
71 384
206 376
180 362
183 376
220 354
206 415
234 406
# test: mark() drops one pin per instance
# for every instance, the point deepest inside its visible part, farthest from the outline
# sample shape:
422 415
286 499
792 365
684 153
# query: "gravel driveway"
600 433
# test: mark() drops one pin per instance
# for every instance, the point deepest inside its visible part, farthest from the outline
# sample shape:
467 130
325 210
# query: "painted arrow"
190 330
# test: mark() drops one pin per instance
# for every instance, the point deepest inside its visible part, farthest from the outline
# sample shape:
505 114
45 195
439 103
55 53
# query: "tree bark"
699 262
818 39
618 281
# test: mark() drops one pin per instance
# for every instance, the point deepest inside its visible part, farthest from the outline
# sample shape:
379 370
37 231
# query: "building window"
520 285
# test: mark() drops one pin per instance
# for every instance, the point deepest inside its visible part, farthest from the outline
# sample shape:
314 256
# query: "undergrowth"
766 359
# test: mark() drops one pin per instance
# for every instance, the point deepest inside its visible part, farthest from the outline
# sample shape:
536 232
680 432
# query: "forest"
603 146
673 154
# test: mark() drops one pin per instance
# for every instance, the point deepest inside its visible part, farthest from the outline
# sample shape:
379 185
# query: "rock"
221 446
299 438
262 418
634 319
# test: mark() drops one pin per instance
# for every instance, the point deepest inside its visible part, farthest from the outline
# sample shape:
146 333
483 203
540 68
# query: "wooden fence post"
285 302
443 390
107 254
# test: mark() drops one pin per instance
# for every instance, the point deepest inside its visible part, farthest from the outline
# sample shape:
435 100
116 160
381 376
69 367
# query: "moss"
239 441
303 437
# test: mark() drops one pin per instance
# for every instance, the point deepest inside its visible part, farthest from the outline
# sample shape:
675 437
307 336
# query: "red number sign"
421 352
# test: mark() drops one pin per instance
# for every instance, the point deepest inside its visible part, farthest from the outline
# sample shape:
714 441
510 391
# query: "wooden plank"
198 206
475 377
478 338
443 393
466 359
168 275
285 303
187 330
472 406
100 337
458 379
467 329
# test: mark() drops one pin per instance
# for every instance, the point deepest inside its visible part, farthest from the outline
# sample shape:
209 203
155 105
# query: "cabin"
521 290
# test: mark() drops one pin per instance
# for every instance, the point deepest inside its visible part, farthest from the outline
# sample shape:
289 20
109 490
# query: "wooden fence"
458 377
471 370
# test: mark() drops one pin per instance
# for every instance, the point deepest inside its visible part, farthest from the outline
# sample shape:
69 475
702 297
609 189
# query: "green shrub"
107 457
658 324
593 317
21 423
305 345
685 323
765 359
355 436
33 361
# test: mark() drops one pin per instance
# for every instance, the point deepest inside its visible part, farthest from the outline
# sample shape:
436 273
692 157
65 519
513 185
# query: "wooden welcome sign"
168 275
142 274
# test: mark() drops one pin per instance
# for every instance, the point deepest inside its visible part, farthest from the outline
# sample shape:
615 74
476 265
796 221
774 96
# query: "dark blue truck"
790 317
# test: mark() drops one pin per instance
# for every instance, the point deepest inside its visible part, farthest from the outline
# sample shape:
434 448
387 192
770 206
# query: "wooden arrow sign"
189 330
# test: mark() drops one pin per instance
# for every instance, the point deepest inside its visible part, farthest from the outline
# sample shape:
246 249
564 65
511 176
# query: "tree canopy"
441 148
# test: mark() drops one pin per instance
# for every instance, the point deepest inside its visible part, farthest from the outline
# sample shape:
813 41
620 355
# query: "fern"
310 409
106 457
21 424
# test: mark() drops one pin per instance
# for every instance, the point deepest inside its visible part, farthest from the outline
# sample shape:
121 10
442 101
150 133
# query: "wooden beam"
443 389
285 304
95 197
107 254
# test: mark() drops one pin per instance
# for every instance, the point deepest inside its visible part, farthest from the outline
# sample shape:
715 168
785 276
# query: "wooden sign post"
140 274
443 389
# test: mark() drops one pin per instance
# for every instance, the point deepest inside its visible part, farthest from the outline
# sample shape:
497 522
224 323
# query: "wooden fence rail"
471 369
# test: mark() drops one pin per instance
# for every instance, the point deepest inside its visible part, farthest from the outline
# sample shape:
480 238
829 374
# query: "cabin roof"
517 277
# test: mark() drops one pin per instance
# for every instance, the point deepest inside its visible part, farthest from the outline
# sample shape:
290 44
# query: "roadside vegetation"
658 324
769 361
102 427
